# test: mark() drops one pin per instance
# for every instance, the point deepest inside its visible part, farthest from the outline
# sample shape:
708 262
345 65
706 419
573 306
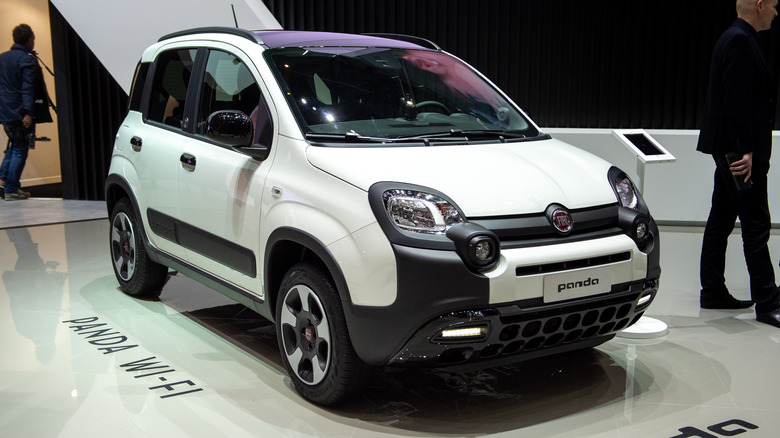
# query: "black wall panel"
587 64
91 107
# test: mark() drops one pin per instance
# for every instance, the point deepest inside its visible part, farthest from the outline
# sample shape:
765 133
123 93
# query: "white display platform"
645 328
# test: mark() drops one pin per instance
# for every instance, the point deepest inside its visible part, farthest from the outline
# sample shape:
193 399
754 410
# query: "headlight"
625 191
420 212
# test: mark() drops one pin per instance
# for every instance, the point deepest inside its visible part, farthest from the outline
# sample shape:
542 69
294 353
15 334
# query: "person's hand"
27 121
743 166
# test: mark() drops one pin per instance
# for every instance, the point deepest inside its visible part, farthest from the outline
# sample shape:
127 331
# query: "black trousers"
752 208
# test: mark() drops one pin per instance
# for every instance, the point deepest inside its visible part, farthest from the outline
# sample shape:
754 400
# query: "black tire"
137 274
313 338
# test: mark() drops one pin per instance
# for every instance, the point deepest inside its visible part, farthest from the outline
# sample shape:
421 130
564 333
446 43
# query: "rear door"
157 146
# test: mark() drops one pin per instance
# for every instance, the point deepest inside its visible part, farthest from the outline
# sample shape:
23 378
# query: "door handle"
188 162
136 142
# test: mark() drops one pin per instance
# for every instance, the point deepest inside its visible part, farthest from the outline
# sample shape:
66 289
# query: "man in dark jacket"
18 70
738 120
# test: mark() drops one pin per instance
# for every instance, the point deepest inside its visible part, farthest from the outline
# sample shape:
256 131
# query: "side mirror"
233 128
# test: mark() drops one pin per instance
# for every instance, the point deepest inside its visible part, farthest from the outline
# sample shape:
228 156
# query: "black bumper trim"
520 332
430 283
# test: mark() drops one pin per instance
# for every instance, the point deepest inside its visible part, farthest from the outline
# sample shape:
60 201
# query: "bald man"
738 120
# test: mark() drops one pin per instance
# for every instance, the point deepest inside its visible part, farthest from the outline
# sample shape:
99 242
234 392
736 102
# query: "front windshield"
392 94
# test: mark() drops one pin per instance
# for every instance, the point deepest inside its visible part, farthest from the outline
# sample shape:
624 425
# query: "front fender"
364 257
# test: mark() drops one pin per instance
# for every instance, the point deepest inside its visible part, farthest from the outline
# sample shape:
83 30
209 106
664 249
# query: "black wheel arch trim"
115 180
273 278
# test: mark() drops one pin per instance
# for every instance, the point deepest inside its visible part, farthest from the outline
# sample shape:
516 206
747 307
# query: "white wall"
117 31
676 192
43 163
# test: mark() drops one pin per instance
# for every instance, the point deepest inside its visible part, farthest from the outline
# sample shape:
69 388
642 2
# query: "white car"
377 198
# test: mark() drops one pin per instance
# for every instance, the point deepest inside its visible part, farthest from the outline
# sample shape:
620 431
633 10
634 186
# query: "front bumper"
529 328
524 301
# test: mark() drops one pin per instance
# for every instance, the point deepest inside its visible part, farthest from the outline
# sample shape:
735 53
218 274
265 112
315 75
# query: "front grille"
535 229
572 264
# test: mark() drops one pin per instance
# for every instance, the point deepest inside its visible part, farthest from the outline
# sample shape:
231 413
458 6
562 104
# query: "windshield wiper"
349 137
495 133
451 136
354 137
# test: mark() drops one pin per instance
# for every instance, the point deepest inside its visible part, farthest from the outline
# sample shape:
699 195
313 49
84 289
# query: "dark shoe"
723 301
771 318
18 196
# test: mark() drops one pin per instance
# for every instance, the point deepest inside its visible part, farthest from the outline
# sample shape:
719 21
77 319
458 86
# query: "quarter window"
136 91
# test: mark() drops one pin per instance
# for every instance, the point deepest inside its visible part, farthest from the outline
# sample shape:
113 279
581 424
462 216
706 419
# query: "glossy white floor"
195 364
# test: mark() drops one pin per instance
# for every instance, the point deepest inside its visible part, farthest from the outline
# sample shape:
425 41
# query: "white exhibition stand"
645 328
647 151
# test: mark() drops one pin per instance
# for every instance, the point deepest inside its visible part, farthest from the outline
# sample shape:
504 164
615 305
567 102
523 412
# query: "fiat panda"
378 199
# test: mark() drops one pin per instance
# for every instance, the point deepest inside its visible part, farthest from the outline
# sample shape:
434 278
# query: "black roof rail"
215 29
428 44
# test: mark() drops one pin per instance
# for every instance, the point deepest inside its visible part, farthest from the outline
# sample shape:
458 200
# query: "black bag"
18 135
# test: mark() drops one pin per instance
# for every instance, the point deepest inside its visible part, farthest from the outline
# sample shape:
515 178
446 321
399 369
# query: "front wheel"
313 338
137 274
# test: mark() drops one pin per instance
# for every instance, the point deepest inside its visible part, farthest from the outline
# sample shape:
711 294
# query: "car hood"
482 179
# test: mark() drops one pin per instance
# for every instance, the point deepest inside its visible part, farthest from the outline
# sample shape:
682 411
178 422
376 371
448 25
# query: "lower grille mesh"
549 332
527 329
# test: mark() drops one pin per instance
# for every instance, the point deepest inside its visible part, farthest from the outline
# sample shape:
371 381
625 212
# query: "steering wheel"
438 105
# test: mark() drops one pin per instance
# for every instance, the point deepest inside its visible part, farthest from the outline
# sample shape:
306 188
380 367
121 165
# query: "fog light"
641 230
483 250
636 225
644 300
478 247
462 333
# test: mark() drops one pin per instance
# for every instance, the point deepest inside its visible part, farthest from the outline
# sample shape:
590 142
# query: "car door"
156 146
219 193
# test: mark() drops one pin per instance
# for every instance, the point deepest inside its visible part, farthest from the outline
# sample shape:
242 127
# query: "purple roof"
292 38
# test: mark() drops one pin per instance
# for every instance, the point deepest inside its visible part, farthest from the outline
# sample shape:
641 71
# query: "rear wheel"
313 338
137 274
